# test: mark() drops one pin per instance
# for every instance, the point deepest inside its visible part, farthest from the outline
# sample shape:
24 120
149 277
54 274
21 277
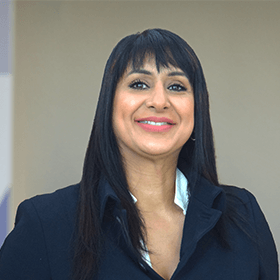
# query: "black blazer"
39 247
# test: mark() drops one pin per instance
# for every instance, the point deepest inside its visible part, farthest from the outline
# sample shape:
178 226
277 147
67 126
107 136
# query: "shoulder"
63 200
39 244
240 193
59 205
63 196
243 202
239 197
252 220
48 212
243 209
246 203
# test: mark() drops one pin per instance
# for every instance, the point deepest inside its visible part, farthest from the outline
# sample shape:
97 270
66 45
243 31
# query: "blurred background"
52 56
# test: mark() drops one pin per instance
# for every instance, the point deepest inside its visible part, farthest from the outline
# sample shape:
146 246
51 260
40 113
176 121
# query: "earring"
192 138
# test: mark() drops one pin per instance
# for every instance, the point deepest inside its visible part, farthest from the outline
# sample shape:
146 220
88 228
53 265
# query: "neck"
152 182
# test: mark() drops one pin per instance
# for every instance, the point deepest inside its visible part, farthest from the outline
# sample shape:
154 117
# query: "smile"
155 127
154 123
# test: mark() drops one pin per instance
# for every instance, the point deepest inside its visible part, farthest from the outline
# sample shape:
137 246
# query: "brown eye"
177 87
138 85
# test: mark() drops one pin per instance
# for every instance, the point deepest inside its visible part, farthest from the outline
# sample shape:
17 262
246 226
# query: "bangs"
154 44
149 47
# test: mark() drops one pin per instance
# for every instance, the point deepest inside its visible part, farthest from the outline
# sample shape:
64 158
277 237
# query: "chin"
158 151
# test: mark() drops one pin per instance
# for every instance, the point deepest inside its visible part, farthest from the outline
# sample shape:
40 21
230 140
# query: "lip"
156 119
155 128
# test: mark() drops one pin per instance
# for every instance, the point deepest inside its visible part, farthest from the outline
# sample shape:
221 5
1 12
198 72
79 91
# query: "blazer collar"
206 204
205 193
106 194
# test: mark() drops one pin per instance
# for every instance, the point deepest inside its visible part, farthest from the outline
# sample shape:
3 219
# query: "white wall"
6 19
5 135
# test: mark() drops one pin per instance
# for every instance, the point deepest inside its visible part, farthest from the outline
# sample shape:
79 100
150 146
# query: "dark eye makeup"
177 87
138 84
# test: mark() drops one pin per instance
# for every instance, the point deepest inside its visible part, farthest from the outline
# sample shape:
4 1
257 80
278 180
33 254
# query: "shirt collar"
181 197
210 195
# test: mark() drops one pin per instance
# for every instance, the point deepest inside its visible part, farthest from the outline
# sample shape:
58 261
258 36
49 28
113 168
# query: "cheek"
116 117
128 107
125 106
123 109
185 109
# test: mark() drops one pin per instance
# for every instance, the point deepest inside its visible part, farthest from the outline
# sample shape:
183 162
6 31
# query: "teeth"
154 123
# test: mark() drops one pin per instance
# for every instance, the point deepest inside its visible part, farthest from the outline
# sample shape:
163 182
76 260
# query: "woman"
149 205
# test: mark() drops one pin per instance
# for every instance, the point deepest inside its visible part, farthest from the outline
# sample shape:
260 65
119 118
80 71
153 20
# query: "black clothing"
39 247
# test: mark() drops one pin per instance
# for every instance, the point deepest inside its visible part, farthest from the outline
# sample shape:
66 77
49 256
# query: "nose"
158 98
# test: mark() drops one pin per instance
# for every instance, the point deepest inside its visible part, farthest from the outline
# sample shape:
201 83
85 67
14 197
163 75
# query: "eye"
177 87
138 85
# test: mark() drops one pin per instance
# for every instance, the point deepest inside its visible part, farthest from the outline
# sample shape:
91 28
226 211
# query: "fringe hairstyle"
103 155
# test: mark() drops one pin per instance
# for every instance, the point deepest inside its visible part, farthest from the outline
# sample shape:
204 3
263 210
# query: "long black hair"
103 157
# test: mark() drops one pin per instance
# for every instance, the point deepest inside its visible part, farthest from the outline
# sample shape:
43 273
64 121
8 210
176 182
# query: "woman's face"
153 112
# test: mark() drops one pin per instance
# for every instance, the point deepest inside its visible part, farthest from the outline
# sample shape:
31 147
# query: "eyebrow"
142 71
176 73
139 71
